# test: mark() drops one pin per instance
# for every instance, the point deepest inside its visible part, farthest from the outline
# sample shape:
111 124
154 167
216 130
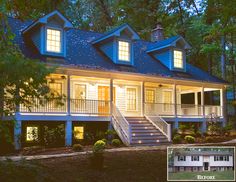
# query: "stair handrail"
160 124
121 125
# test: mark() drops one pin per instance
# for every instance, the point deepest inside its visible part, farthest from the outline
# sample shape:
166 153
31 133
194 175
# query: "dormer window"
178 59
123 51
54 42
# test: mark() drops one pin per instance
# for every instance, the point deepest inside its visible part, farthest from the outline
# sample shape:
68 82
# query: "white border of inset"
199 147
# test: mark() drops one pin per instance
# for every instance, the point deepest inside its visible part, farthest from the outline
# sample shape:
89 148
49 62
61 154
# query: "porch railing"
44 106
160 124
121 125
85 106
164 109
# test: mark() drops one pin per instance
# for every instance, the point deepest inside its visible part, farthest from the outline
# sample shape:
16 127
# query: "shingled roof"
80 52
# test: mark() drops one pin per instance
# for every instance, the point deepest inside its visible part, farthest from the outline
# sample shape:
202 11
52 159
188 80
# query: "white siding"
188 162
221 163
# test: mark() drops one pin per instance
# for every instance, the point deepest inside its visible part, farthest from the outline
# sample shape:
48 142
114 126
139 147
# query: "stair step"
149 141
147 134
140 124
151 144
148 137
143 128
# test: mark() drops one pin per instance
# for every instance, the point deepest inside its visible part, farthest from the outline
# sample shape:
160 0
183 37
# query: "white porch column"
142 98
111 95
68 94
203 102
196 102
17 134
175 101
222 102
68 133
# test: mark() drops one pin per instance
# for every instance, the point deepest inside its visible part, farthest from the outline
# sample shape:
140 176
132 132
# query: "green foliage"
209 139
111 134
104 140
177 139
99 146
32 150
54 136
183 128
6 137
77 147
189 139
174 132
116 142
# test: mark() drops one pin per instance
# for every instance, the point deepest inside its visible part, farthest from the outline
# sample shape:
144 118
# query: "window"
181 158
195 158
53 40
131 99
221 158
80 91
32 133
167 100
150 96
178 59
56 88
124 51
79 132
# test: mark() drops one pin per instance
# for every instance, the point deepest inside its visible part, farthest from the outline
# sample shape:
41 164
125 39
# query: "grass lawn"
219 175
121 166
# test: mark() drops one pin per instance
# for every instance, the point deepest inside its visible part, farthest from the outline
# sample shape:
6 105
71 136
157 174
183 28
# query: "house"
203 161
142 89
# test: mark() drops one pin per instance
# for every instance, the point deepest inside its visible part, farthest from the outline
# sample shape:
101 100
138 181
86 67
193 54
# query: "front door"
104 97
206 166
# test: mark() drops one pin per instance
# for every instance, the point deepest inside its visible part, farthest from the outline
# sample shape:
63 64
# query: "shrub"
105 140
6 137
32 150
198 134
177 139
209 139
97 159
189 139
174 132
77 147
111 134
54 137
116 142
99 146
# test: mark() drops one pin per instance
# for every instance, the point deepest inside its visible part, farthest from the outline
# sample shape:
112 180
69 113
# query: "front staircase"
143 132
138 131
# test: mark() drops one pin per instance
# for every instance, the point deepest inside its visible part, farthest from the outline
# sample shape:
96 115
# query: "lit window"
150 96
79 132
124 51
80 91
167 97
32 133
178 59
56 88
53 40
131 99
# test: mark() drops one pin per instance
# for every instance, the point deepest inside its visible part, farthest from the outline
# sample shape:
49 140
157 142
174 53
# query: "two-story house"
203 161
140 88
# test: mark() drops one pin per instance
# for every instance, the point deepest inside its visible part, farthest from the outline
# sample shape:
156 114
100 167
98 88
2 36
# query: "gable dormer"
118 44
48 34
171 52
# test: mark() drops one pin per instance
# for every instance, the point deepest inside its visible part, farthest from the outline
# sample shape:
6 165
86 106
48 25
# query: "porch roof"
82 53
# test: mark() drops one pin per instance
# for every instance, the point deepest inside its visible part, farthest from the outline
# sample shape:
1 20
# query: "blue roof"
166 43
80 52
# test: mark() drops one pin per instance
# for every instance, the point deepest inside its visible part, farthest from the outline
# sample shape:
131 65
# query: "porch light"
133 134
145 127
139 141
151 134
158 140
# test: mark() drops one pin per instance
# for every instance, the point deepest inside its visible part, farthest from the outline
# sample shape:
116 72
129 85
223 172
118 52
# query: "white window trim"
163 99
126 109
46 38
120 60
183 57
154 89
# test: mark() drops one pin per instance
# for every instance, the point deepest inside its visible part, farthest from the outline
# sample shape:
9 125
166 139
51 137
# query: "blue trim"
116 33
